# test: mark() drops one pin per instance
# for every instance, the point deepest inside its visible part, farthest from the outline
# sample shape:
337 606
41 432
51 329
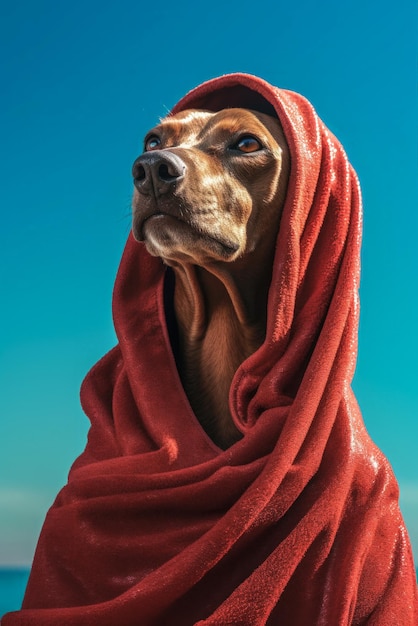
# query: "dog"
209 190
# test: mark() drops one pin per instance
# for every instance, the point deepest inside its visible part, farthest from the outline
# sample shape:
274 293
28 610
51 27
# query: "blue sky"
81 83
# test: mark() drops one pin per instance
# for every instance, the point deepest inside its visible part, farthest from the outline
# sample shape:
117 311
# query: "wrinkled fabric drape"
298 522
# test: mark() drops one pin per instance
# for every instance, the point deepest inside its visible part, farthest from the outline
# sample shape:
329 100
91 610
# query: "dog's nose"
158 171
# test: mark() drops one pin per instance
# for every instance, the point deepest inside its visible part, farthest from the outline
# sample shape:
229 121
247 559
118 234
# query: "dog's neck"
221 318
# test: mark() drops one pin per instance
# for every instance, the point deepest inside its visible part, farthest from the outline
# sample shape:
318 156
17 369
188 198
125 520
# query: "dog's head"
209 187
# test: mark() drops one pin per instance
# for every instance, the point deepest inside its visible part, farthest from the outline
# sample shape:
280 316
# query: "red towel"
297 523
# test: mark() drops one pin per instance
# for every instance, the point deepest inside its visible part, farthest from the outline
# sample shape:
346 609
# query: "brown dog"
209 189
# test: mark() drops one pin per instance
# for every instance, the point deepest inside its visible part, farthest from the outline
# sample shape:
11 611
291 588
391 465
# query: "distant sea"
12 587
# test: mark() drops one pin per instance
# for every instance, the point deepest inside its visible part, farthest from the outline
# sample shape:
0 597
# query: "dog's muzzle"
158 172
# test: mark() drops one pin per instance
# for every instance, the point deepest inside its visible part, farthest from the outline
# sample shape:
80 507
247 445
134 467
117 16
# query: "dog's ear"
237 96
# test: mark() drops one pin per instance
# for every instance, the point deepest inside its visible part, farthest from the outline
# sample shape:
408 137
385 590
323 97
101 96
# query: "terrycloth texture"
296 524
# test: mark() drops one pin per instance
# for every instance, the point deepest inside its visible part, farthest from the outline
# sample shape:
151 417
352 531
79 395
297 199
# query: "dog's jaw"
176 241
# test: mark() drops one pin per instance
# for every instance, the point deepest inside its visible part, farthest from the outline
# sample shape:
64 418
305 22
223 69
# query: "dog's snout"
158 172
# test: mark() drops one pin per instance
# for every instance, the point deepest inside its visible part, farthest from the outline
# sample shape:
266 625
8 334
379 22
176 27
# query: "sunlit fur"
217 229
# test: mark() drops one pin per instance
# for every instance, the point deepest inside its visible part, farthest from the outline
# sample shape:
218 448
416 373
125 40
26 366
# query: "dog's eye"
152 143
248 144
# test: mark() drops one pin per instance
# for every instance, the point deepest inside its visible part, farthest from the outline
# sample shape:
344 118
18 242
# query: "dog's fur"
209 189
